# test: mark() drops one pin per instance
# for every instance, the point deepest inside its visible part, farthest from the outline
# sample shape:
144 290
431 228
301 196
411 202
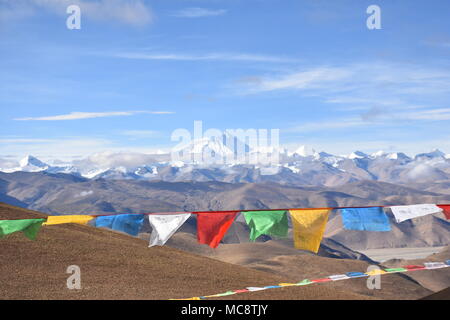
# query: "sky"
137 70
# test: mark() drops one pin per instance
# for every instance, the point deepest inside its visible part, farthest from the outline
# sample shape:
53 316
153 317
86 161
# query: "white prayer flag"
403 213
435 265
255 288
164 226
337 277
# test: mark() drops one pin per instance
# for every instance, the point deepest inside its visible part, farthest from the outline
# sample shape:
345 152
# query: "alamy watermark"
74 280
374 279
74 19
231 146
374 20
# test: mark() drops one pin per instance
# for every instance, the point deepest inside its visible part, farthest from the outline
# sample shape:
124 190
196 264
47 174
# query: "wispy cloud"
89 115
131 12
198 13
137 134
200 57
326 125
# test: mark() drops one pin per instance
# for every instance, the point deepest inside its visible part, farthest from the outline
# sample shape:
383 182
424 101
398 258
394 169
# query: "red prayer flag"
321 280
241 290
414 267
446 210
212 226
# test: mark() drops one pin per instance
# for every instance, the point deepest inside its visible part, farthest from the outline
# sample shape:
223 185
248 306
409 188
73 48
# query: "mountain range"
302 167
68 194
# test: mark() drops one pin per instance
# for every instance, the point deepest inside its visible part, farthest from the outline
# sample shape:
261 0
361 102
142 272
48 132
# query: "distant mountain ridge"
68 194
304 166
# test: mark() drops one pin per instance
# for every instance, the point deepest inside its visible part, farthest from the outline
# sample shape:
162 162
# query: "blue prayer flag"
356 274
129 223
368 219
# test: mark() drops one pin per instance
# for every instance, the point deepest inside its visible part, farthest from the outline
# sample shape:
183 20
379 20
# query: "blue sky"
138 70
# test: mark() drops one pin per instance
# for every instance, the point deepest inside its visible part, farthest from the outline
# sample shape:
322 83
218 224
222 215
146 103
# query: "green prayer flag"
30 227
396 270
303 282
271 223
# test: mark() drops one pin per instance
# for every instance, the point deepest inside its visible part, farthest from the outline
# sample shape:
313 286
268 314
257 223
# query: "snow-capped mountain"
304 166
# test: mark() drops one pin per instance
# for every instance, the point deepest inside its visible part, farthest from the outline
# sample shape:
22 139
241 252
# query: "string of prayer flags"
337 277
80 219
212 226
30 227
402 213
271 223
368 219
445 210
164 226
128 223
308 228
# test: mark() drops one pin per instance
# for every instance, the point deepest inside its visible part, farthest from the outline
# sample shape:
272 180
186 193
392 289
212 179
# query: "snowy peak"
397 156
30 163
358 155
431 155
305 151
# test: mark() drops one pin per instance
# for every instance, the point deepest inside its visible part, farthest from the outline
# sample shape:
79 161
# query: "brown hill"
441 295
282 259
116 266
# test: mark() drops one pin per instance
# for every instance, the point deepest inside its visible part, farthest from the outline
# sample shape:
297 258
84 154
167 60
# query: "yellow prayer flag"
309 226
285 284
81 219
375 272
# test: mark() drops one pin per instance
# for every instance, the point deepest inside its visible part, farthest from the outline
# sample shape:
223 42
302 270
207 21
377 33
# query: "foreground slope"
116 266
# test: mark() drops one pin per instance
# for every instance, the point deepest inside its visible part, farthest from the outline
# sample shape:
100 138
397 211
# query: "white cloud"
326 125
201 57
198 13
140 133
109 159
131 12
89 115
304 80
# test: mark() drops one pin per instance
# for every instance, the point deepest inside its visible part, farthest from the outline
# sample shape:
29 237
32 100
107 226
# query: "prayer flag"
375 272
321 280
394 270
212 226
434 265
303 282
446 210
337 277
271 223
164 226
81 219
356 274
255 288
30 227
128 223
369 219
308 227
403 213
414 267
